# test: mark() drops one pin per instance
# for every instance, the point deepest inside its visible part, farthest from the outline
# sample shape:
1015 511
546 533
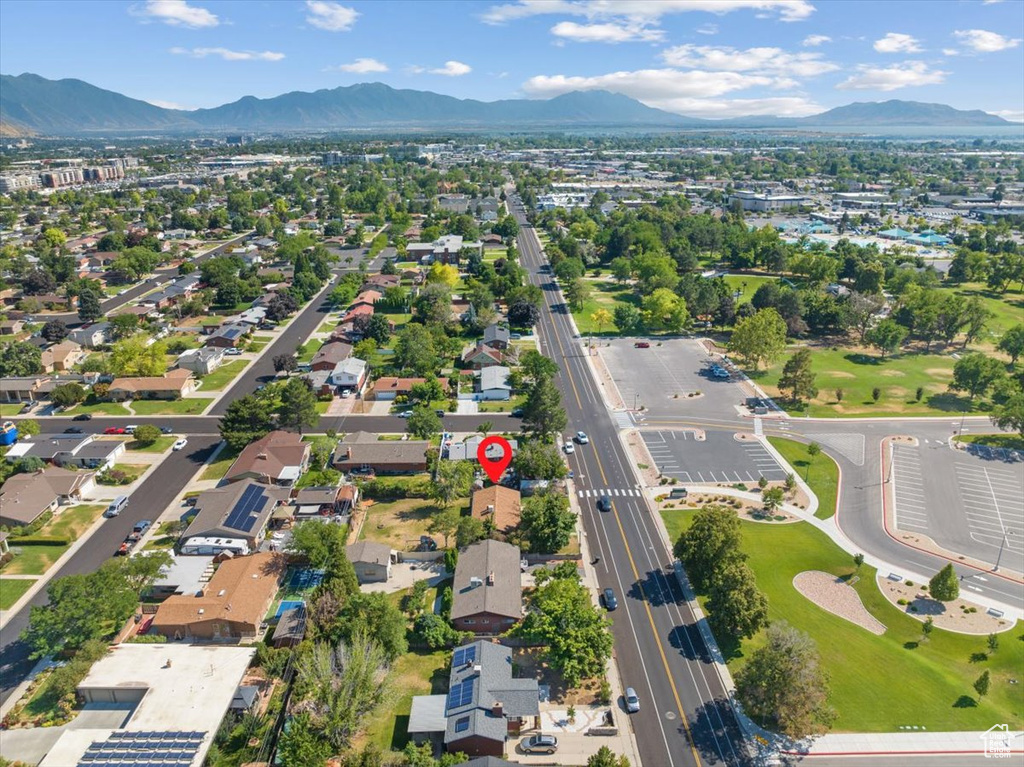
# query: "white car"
180 444
405 414
582 438
569 447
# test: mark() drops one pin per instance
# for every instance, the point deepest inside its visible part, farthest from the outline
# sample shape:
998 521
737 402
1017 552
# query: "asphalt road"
148 501
685 717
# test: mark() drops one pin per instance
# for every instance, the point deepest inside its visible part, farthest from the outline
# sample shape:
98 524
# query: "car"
524 565
641 345
180 444
569 447
82 417
632 700
261 387
582 438
604 503
609 599
130 428
539 744
440 413
73 430
233 352
517 412
114 430
346 393
515 336
166 430
405 414
142 526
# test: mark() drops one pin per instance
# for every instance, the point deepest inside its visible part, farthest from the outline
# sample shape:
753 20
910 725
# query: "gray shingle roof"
501 594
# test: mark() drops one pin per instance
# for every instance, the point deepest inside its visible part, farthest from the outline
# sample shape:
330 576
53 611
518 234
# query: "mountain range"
30 104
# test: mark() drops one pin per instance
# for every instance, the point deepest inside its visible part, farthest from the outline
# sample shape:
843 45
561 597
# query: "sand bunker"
831 593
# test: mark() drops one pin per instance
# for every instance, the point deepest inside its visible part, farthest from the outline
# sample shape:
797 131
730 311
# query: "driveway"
31 745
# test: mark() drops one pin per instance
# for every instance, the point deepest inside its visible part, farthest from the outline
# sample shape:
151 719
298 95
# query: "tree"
543 414
628 319
38 282
28 427
975 373
67 394
20 360
301 742
711 544
451 480
443 273
89 308
577 292
136 356
783 685
323 547
523 313
798 378
414 350
445 523
664 310
605 758
772 498
992 643
539 460
759 338
564 619
424 423
246 420
146 434
944 585
123 326
536 366
1006 415
886 336
982 684
469 531
378 328
736 607
298 405
55 331
434 631
601 317
547 522
1012 343
376 616
285 363
975 317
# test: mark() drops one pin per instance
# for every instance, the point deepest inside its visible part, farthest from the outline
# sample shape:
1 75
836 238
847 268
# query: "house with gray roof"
371 561
229 335
496 336
202 361
239 511
363 452
488 588
493 383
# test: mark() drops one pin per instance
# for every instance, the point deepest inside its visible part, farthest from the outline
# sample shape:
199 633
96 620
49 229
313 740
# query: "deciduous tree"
759 338
547 522
797 377
451 480
737 608
886 336
55 331
975 373
246 420
710 544
298 405
539 460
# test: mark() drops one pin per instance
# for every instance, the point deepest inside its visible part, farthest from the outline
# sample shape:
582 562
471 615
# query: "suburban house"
492 383
496 336
279 458
485 704
325 500
94 335
60 358
228 336
480 356
81 451
11 327
488 590
329 355
388 388
21 388
349 374
366 298
363 452
173 385
178 291
371 561
498 507
446 249
466 450
381 282
238 513
231 606
319 382
26 497
202 361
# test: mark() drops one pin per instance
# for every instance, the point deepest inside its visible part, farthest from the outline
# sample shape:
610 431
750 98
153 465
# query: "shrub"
42 540
114 477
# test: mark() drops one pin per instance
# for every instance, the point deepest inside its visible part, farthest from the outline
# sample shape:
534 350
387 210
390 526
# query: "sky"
702 58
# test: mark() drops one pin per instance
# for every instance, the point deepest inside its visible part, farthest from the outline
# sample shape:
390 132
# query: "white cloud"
169 105
982 41
1013 115
950 52
452 69
990 2
768 60
891 78
790 106
606 33
813 41
228 55
177 13
897 42
707 29
652 86
333 17
644 10
361 66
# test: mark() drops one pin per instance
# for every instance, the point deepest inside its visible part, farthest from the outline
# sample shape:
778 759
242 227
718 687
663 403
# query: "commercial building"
763 203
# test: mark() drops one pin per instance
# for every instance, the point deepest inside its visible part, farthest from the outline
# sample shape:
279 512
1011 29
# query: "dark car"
83 417
610 600
517 412
539 744
73 430
604 503
440 413
641 345
166 430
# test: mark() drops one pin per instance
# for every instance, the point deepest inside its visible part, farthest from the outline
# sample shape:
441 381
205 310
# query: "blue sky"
705 58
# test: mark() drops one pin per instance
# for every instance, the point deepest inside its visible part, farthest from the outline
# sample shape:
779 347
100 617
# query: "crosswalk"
613 492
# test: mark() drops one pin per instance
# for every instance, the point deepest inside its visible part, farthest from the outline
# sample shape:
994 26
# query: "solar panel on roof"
464 655
461 725
241 516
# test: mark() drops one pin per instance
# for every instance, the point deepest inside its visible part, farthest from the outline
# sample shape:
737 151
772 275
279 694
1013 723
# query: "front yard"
223 375
131 470
12 589
191 406
219 468
68 525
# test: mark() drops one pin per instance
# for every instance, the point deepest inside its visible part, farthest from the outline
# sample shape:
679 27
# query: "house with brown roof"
330 354
325 500
388 387
26 497
62 357
366 298
363 452
497 507
488 588
174 385
280 458
479 357
381 282
236 515
231 606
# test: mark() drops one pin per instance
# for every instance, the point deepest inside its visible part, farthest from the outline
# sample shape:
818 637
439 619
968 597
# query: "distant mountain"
30 103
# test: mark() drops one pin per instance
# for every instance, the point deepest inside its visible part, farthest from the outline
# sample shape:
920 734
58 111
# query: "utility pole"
1001 546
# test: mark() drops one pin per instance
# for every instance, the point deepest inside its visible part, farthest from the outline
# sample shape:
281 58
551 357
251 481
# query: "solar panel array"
464 656
144 749
461 725
461 694
244 515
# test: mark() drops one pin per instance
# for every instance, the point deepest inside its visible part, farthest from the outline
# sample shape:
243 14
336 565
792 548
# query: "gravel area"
960 615
832 594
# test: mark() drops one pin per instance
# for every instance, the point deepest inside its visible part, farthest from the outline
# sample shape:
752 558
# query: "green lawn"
857 374
502 407
747 283
32 560
10 409
223 375
11 590
191 406
164 538
820 472
133 470
415 673
98 408
327 327
308 350
603 295
1007 308
73 521
219 468
160 445
1008 441
878 683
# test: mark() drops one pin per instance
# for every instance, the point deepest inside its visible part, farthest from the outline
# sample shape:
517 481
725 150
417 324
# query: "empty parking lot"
717 458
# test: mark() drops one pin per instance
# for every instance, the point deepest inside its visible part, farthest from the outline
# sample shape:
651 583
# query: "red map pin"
494 467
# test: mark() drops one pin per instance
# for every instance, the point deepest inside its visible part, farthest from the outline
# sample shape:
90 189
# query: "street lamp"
892 461
1001 545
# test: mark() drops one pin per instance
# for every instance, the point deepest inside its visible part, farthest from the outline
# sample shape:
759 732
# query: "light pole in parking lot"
1001 546
892 460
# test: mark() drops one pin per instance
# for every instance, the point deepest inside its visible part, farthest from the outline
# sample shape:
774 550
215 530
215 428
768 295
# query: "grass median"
820 472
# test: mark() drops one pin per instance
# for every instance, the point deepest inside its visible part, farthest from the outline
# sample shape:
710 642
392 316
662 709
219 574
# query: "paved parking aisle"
910 508
717 458
993 502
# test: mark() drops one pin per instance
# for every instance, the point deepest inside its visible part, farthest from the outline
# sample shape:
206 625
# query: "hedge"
40 540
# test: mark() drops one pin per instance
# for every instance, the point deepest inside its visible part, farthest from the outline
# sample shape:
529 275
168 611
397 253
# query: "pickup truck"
133 538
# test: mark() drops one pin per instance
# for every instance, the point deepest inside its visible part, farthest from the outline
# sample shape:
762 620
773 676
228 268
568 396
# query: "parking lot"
970 502
717 458
660 377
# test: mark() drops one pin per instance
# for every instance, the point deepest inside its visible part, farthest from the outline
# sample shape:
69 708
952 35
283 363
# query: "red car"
114 430
641 345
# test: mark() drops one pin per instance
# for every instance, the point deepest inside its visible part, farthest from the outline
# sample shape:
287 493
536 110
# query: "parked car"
632 700
604 503
179 444
569 447
609 599
582 438
405 414
130 428
539 744
166 430
114 430
73 430
232 352
517 412
641 345
82 417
